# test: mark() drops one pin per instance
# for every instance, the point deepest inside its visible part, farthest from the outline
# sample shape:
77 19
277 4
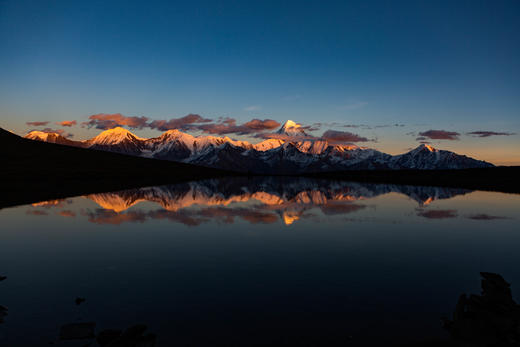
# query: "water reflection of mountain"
266 198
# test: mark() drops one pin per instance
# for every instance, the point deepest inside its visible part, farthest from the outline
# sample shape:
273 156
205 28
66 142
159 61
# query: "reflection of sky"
347 266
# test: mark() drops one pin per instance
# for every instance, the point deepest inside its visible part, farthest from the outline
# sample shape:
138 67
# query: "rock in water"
489 319
79 301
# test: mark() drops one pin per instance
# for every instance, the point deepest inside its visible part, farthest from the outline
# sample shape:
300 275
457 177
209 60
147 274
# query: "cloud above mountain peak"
106 121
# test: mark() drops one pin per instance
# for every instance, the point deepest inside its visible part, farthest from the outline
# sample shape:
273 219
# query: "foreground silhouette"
3 310
489 319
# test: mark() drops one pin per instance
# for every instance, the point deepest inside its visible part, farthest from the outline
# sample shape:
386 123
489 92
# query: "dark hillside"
34 171
501 178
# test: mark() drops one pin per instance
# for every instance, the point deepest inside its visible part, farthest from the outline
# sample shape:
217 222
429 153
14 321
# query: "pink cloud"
336 136
229 126
67 123
108 121
178 123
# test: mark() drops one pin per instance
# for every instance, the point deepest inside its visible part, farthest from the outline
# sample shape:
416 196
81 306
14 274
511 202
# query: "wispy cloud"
252 108
439 135
336 136
37 124
67 123
483 133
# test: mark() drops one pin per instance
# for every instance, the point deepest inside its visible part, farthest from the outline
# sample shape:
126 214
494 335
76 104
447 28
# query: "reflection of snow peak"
267 197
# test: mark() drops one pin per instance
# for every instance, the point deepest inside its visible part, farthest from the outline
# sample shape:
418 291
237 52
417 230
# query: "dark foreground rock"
489 319
3 310
3 313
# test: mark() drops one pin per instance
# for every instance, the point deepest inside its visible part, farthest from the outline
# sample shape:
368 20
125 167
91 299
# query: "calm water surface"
254 261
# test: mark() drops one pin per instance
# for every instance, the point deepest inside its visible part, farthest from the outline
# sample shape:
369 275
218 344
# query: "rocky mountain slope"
290 151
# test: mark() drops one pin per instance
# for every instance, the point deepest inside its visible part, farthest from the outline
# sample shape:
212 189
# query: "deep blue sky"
449 65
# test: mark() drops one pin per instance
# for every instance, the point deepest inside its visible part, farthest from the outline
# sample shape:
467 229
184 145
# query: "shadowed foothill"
41 171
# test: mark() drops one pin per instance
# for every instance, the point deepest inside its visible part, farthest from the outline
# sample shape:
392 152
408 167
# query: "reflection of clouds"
437 214
483 216
100 216
186 217
269 191
252 199
67 213
227 215
37 212
335 208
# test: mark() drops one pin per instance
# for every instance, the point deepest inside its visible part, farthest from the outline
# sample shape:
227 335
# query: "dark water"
254 261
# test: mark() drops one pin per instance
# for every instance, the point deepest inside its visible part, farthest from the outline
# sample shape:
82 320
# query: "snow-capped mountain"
117 140
292 129
291 151
426 157
52 138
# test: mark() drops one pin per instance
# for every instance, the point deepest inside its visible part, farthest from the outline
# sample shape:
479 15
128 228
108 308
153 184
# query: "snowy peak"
424 148
291 128
268 144
39 135
312 147
292 151
174 134
51 137
114 136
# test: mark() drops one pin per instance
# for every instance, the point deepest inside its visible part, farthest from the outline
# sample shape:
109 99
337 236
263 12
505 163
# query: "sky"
382 74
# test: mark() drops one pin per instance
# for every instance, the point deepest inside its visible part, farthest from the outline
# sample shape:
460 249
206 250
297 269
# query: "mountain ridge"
291 151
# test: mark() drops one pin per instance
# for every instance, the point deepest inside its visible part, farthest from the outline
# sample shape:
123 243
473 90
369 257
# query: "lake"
254 261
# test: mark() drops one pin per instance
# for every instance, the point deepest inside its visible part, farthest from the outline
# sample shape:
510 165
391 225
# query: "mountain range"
290 150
